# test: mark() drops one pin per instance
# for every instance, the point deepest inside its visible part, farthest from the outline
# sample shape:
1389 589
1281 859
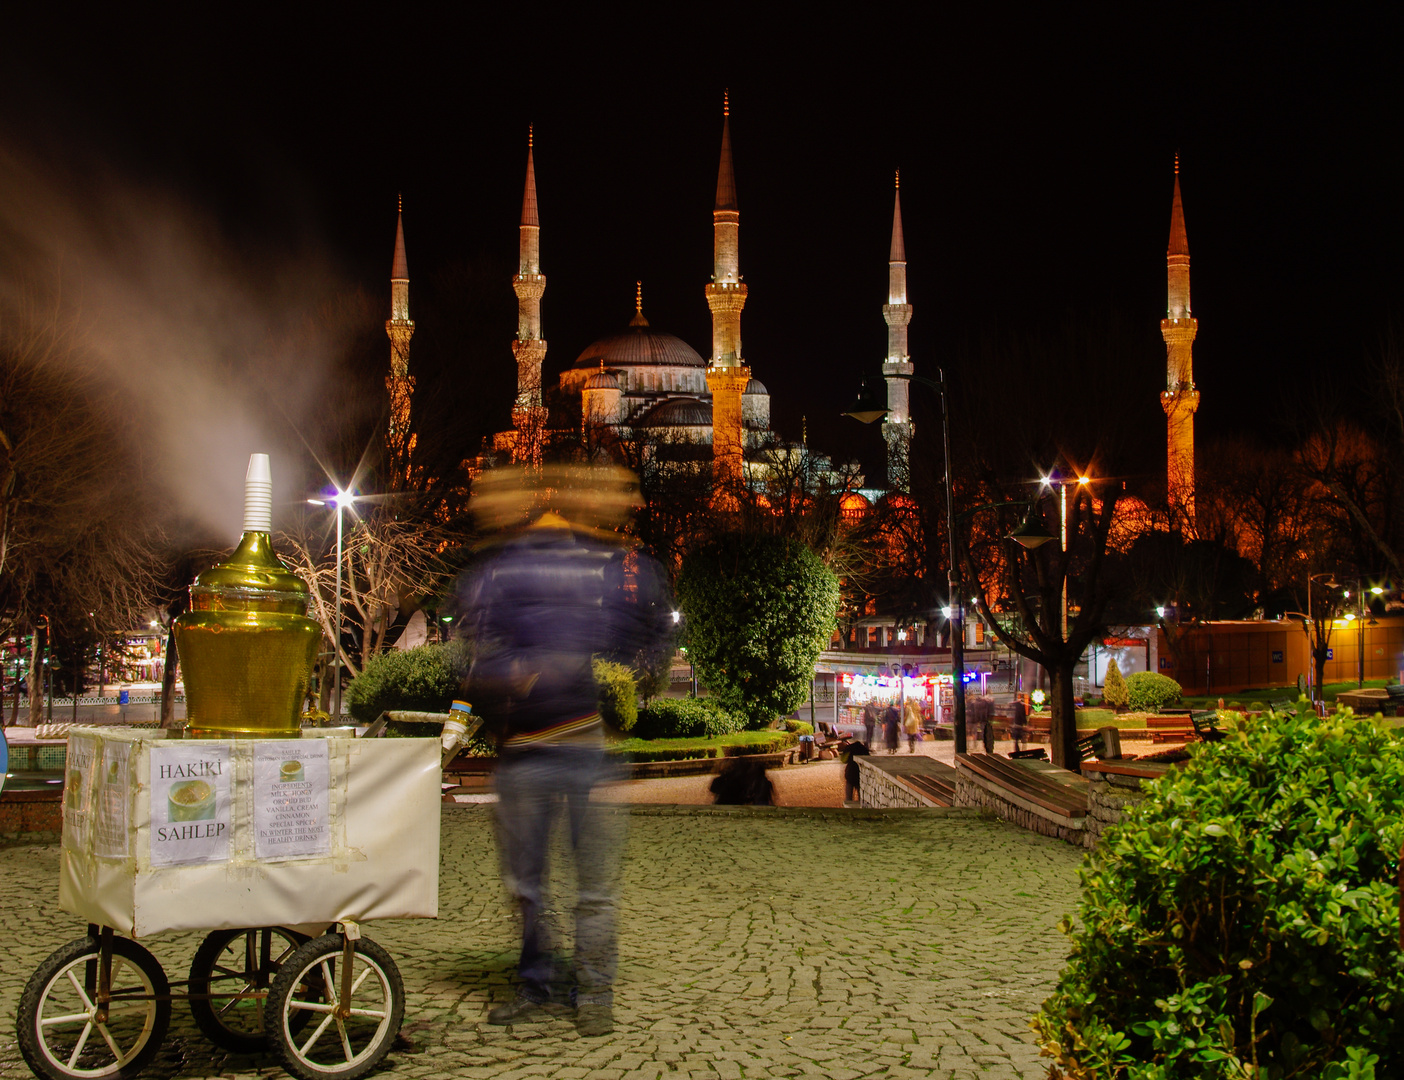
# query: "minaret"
897 428
400 328
528 414
727 374
1180 399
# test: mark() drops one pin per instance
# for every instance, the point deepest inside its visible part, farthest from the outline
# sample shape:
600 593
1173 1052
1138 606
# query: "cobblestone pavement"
756 942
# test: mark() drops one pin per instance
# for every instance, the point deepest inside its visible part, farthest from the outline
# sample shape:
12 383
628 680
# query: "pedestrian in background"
870 720
911 723
890 724
545 600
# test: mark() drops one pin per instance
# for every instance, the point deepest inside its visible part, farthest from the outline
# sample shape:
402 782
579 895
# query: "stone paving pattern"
756 942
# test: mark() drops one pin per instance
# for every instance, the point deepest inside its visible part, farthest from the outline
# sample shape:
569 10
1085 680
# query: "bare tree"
79 550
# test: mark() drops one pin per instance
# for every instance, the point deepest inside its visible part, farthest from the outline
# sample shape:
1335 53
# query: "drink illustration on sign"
190 804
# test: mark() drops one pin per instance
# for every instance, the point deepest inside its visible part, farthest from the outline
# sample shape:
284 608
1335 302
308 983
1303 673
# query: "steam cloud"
219 354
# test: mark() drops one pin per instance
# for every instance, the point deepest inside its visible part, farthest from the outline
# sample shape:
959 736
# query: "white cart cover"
190 834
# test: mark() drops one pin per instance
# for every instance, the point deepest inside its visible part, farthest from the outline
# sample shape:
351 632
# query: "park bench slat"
1067 799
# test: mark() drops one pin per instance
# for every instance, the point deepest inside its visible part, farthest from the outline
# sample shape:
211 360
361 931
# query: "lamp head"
1031 534
867 407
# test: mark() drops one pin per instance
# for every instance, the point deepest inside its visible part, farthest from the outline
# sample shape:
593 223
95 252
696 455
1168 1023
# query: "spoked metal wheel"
228 965
318 1029
64 1034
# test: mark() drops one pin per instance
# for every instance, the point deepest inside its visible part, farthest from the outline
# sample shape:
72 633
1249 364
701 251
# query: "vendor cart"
281 850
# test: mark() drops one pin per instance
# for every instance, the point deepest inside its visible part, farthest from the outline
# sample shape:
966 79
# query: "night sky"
1035 151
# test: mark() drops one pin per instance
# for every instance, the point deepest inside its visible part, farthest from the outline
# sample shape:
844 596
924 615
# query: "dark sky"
1035 152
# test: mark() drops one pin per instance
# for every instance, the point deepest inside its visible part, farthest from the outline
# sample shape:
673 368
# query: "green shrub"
1236 706
619 699
423 679
1149 691
782 740
1243 920
1114 691
799 727
1256 706
682 718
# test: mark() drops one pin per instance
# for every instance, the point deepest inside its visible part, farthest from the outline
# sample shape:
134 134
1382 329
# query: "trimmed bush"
619 699
423 679
736 744
799 727
1243 920
1149 691
1114 690
685 718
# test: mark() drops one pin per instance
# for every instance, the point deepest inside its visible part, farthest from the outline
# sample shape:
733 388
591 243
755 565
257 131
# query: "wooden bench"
1038 727
1177 728
1054 794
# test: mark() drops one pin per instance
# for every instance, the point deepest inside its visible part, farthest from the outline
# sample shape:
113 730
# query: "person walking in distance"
890 724
911 723
870 721
543 602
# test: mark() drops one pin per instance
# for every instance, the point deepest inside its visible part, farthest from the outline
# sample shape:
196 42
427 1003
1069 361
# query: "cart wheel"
308 984
57 1026
222 969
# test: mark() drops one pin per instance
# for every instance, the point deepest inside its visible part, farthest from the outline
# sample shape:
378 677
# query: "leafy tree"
1114 690
759 609
1243 920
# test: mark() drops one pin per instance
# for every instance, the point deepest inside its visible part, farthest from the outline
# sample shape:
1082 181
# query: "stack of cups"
455 727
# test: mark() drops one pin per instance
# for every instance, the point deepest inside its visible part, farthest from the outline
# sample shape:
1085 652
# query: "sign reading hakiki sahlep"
291 796
190 806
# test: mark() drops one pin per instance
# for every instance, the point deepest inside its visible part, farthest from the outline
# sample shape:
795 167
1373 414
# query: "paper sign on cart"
190 805
110 802
80 764
291 799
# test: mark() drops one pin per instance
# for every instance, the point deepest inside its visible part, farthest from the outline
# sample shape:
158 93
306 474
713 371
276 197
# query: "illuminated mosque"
643 384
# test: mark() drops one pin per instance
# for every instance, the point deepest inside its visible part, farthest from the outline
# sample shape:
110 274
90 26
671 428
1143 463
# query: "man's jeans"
531 787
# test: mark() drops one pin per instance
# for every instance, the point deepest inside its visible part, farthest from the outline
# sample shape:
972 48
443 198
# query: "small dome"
602 380
755 386
640 345
679 412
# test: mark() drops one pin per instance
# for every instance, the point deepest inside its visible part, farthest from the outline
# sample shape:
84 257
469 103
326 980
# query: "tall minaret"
1180 399
897 428
400 383
528 414
727 374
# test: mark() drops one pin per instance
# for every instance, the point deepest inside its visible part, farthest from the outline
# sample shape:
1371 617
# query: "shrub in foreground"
1150 691
1243 921
685 718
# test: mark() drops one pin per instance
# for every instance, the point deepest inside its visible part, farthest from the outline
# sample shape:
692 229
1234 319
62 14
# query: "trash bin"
806 747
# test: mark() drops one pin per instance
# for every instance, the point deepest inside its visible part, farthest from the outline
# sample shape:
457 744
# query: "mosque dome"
640 346
602 380
755 386
679 412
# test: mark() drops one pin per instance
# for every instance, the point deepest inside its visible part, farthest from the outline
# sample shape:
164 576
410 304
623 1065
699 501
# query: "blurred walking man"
544 603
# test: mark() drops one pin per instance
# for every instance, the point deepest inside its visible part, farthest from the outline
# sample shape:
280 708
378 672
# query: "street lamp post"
1315 690
1360 629
340 500
1048 481
867 409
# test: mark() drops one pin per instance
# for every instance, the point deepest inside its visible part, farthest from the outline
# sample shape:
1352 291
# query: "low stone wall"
971 794
878 790
34 816
1108 796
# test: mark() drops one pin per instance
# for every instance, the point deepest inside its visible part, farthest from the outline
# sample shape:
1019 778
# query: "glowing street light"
340 500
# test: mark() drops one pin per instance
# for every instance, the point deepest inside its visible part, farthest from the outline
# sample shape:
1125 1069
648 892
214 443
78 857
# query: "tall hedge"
1244 919
759 609
1114 690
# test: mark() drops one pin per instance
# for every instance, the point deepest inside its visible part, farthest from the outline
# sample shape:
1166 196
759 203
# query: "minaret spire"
399 383
638 319
528 413
1180 398
897 427
727 374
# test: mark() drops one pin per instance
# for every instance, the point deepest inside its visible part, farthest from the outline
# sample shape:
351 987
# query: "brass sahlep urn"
246 645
